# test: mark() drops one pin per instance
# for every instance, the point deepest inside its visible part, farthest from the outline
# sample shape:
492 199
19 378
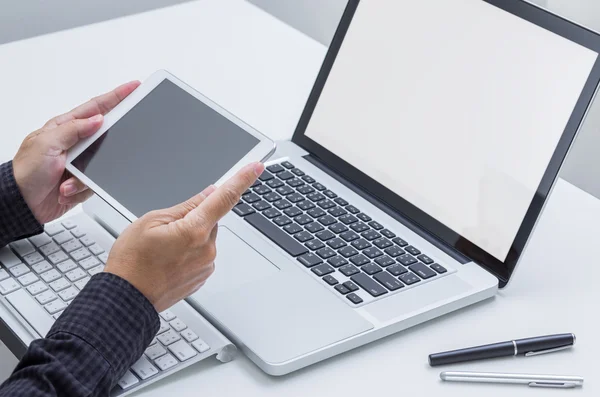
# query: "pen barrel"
502 349
541 343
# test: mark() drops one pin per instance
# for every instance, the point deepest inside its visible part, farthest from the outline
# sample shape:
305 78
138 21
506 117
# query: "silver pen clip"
539 352
555 385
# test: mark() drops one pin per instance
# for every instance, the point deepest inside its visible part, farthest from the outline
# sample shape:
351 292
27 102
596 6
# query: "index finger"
222 200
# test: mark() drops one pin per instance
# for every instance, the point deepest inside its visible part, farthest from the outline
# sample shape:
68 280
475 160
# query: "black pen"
527 347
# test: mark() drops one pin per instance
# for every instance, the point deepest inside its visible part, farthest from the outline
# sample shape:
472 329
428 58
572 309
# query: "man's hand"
39 165
168 254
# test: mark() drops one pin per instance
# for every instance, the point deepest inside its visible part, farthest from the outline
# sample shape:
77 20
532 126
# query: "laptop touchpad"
237 264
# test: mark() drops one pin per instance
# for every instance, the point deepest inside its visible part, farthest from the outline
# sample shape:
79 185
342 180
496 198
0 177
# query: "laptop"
419 168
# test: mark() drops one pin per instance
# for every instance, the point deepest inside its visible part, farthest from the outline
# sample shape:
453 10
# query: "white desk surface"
262 70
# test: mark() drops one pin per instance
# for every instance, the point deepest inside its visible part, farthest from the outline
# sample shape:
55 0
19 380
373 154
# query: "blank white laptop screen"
456 106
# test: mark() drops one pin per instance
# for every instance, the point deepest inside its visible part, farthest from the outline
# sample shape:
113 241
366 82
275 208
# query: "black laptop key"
261 205
282 220
295 182
303 219
276 235
322 270
284 176
372 253
297 172
371 235
348 252
375 225
251 198
262 189
396 270
382 243
414 251
359 227
387 233
303 236
316 212
352 209
349 270
338 228
319 187
348 219
271 213
422 270
314 227
368 284
394 251
371 269
425 259
274 183
310 259
330 194
341 289
352 297
439 268
341 201
265 176
314 245
385 261
272 197
315 197
308 179
337 211
409 278
292 228
337 261
349 236
243 209
336 243
329 279
388 281
292 212
282 204
327 220
351 286
400 242
325 235
306 189
326 253
364 217
287 165
361 244
305 205
406 259
359 260
256 183
285 190
326 204
295 197
275 168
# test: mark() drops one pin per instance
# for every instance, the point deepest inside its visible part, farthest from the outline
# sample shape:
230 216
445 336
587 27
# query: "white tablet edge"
261 152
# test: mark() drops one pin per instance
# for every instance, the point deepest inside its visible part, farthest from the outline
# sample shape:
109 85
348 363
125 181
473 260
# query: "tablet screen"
166 149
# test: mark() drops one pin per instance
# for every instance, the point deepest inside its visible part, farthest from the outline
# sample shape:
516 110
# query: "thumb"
179 211
67 135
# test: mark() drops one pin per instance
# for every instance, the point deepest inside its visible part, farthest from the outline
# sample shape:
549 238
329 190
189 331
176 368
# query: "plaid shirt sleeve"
99 336
16 219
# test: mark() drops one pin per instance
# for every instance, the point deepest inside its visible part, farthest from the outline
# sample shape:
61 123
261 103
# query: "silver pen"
555 381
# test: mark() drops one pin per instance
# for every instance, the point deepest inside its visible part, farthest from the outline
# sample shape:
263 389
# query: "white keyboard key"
68 293
45 297
71 245
165 362
59 285
50 275
49 249
19 270
31 311
57 315
23 247
96 270
154 352
87 241
200 345
8 258
40 239
3 274
144 369
81 283
36 288
189 335
88 263
168 315
41 267
76 274
168 337
96 249
163 327
80 254
66 265
182 350
27 279
77 232
69 224
178 325
57 257
127 380
55 306
62 237
103 257
33 258
53 229
9 285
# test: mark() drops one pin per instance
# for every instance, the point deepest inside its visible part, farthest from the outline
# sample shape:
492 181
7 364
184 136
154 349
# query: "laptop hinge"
388 210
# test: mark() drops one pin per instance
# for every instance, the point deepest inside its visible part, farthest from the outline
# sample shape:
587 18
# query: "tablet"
161 145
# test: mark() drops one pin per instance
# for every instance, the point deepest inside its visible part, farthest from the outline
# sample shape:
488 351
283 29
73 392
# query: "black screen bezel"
502 270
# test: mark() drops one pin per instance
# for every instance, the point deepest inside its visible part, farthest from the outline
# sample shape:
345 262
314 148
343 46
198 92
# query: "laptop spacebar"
277 235
31 311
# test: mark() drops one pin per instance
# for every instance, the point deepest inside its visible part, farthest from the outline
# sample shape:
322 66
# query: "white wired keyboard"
40 276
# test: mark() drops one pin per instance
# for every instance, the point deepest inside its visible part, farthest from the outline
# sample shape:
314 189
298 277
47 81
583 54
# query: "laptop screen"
457 107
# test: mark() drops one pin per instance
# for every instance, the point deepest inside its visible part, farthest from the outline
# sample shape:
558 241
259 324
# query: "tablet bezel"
262 151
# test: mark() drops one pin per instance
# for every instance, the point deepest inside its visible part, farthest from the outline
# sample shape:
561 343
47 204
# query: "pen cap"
542 343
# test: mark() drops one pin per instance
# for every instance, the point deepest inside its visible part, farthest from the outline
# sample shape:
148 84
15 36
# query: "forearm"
100 335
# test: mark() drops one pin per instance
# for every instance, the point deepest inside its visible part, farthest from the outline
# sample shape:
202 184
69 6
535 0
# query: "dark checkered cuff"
16 219
112 316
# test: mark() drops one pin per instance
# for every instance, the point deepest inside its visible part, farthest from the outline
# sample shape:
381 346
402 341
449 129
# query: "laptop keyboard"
347 249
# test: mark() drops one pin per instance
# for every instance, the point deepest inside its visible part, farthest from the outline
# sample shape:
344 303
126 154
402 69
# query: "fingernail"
259 168
70 189
207 192
95 119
